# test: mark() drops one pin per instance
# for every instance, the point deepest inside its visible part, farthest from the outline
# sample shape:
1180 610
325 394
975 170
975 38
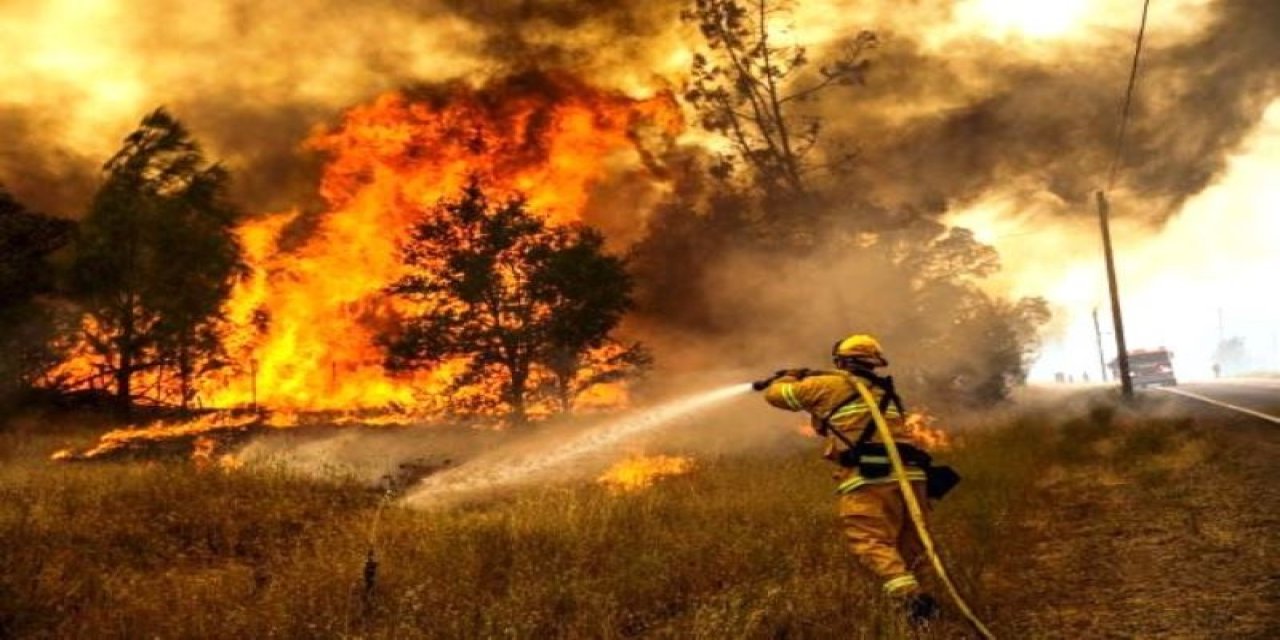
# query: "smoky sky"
1053 127
253 80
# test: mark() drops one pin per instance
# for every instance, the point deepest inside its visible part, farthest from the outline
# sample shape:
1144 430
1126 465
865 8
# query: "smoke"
566 452
964 97
990 112
386 456
443 464
1197 283
46 179
252 79
945 118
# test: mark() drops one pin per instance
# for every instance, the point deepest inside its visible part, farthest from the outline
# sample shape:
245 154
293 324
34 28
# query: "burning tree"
155 260
497 287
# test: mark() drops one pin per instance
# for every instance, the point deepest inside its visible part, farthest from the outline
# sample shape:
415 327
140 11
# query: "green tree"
516 298
155 261
27 325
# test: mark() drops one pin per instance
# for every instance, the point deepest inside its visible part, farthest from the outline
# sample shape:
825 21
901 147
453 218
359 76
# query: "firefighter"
872 511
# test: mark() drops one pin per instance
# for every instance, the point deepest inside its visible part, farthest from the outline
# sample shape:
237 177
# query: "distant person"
1084 376
872 510
1217 370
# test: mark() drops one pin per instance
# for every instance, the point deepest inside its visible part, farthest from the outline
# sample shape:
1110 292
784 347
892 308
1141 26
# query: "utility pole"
1097 333
1122 353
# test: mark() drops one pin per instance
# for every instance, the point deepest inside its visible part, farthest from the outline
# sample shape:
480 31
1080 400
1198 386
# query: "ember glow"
548 139
305 319
923 428
998 114
641 472
199 437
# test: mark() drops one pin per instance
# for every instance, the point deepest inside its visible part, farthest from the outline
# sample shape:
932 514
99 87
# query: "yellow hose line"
913 507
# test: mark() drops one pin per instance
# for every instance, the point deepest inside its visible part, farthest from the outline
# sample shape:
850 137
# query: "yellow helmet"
859 346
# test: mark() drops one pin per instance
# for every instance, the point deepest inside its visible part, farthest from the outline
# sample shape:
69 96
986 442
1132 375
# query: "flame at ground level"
922 427
308 320
640 472
304 324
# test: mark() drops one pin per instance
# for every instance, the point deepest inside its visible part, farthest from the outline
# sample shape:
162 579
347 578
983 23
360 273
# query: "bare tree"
748 87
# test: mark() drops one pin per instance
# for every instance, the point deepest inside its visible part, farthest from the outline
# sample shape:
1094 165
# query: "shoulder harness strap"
890 397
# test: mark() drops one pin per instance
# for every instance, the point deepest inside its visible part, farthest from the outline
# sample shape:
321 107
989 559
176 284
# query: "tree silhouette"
518 299
748 87
155 260
27 327
897 271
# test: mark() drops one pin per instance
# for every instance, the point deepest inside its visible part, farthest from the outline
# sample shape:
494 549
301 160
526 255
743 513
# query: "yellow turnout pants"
880 533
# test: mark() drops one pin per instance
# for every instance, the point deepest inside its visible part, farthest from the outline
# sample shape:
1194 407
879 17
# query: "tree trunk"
564 386
184 371
519 382
124 392
124 372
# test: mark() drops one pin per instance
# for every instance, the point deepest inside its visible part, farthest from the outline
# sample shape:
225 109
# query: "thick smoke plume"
1052 127
957 102
967 102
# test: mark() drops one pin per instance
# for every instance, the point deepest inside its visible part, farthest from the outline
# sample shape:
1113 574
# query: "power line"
1128 99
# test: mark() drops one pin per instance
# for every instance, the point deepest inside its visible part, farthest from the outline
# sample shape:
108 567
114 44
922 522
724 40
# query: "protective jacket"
832 401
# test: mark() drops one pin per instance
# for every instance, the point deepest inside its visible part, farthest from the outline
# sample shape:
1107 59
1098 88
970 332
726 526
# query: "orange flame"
199 431
542 136
202 451
640 472
303 324
207 435
921 426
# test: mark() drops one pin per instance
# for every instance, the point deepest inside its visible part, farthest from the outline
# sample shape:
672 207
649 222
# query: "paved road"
1256 395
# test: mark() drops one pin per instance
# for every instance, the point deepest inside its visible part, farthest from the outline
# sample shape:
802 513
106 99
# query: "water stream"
515 465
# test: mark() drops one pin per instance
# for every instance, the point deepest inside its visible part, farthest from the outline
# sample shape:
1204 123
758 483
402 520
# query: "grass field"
743 547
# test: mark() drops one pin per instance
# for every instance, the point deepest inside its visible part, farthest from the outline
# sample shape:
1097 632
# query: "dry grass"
742 548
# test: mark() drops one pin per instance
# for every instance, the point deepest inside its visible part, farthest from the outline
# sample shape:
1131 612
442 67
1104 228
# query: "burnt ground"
1158 522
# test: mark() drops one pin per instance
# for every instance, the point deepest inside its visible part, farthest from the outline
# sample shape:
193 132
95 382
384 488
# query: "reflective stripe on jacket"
820 394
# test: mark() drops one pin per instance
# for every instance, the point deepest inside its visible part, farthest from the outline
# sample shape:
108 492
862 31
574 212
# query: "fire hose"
917 514
904 485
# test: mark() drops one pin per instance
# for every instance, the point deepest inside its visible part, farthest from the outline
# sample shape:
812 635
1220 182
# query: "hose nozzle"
761 385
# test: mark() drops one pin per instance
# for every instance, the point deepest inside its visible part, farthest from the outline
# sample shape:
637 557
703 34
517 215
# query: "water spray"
502 469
